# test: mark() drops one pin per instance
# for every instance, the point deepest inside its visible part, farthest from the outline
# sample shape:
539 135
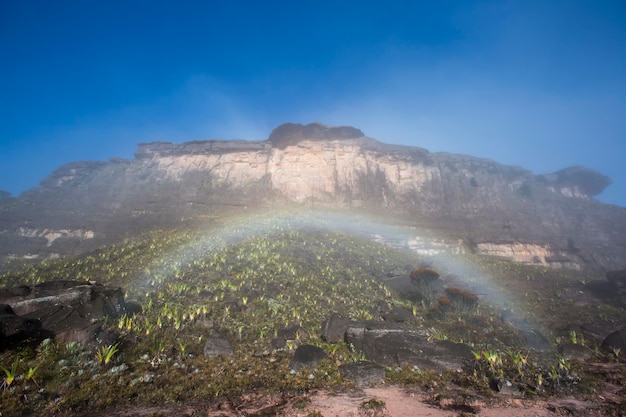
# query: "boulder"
334 328
67 324
394 344
364 374
67 310
91 300
15 329
398 315
616 340
594 332
289 134
535 339
307 357
293 332
217 345
502 386
575 351
578 181
617 281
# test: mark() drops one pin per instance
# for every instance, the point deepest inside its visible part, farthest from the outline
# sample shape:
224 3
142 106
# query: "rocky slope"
471 204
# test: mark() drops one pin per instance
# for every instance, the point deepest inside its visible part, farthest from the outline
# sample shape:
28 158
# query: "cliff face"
490 208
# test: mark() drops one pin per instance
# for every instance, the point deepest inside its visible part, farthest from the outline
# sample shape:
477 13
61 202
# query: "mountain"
461 203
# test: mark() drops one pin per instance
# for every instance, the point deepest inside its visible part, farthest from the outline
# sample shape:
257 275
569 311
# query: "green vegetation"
373 407
190 284
105 353
10 374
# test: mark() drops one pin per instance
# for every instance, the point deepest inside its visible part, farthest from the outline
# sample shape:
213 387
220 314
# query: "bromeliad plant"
10 374
29 375
106 353
515 367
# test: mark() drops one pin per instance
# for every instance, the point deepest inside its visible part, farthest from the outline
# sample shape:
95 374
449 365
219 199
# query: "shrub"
424 280
462 299
424 276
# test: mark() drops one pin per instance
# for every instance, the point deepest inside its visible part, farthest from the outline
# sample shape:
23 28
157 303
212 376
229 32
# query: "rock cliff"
473 205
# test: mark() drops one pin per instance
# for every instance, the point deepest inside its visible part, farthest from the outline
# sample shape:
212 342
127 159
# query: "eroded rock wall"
478 205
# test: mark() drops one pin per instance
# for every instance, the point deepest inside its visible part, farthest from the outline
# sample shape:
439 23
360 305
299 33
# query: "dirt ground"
399 403
383 402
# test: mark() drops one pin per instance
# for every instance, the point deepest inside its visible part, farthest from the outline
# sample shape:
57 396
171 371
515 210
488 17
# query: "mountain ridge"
493 209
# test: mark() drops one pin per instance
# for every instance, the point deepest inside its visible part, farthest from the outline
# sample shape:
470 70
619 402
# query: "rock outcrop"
66 310
217 345
471 204
395 344
364 374
307 357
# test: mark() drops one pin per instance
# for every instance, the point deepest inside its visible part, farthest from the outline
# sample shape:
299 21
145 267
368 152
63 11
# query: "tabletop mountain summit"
472 205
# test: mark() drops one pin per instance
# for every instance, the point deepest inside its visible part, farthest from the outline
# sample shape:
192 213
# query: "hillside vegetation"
258 288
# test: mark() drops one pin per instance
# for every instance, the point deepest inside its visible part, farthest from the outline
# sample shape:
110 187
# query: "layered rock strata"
474 205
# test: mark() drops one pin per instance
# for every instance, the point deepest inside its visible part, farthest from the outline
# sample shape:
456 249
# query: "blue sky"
539 84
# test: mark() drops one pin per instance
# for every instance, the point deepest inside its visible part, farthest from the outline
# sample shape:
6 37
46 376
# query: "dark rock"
67 310
359 333
278 343
575 351
106 338
42 298
132 308
398 315
6 309
593 332
578 180
502 386
217 345
93 301
535 339
364 374
334 328
393 344
52 288
307 357
617 278
66 323
294 332
291 133
15 329
104 301
616 340
11 293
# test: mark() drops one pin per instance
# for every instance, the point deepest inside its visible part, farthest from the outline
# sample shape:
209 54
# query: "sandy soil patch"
400 403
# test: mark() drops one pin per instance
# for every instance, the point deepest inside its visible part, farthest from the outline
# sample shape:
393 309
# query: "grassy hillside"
251 287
